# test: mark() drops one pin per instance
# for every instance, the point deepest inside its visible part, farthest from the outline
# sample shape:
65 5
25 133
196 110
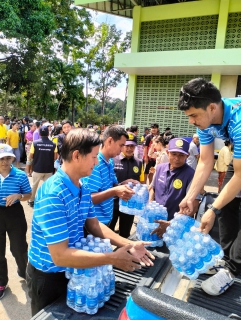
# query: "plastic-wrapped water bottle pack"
136 204
88 289
153 211
191 252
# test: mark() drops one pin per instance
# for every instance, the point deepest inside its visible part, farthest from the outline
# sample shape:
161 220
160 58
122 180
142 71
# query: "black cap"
44 131
155 125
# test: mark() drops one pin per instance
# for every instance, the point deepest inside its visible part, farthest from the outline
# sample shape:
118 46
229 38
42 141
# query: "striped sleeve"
50 214
204 137
94 181
236 137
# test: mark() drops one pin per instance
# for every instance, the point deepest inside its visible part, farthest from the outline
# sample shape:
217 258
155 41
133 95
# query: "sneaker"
219 265
2 291
218 283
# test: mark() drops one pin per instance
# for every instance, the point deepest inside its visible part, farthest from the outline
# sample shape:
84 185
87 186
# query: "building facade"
171 44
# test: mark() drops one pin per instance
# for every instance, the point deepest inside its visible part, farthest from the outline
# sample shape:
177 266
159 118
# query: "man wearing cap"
150 162
14 188
172 180
127 166
43 152
103 183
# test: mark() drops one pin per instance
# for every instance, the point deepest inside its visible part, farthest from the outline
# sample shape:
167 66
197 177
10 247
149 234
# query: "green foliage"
52 49
30 19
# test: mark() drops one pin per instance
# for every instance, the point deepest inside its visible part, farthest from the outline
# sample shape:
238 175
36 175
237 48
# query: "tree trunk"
73 111
5 103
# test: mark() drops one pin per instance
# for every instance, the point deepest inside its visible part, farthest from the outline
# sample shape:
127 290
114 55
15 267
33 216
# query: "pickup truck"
158 293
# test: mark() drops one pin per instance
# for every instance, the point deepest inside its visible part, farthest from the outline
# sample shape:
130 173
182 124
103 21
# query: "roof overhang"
223 61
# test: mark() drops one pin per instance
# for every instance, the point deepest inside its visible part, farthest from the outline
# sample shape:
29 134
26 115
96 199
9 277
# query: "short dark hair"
38 124
161 140
115 132
133 128
198 93
227 143
57 130
13 123
155 125
66 121
79 139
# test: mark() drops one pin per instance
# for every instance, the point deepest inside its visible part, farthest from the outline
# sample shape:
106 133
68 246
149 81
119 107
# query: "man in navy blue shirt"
216 117
172 181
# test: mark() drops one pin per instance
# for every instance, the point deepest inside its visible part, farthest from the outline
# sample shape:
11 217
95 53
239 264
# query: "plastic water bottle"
106 282
112 279
72 284
68 272
97 241
80 296
89 238
101 291
108 246
132 205
91 300
213 247
83 242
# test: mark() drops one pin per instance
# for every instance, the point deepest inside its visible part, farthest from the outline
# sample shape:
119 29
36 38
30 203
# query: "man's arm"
151 194
123 191
203 170
227 194
121 258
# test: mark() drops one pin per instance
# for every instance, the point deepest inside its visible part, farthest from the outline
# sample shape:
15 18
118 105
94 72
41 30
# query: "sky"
122 24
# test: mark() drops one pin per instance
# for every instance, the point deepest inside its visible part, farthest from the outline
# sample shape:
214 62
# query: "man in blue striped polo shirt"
103 183
14 188
215 117
62 208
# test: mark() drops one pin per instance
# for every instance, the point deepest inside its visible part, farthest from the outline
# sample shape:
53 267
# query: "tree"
26 19
107 43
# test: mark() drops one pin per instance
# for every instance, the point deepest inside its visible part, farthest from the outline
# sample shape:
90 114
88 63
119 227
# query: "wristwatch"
22 195
215 210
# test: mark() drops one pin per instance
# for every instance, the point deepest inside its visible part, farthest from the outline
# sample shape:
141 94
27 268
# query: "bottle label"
92 302
71 294
101 296
107 290
80 300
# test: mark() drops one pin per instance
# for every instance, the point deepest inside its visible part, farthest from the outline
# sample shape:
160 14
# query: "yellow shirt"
3 131
13 138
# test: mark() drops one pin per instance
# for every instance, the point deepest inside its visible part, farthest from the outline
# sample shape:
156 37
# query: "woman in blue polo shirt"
14 188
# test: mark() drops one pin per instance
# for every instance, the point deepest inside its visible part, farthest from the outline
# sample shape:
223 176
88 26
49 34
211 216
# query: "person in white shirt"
193 152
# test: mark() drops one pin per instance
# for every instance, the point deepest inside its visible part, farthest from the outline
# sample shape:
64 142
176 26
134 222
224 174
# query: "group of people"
81 197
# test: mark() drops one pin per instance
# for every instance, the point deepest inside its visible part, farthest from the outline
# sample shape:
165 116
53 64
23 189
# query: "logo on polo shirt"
135 169
177 184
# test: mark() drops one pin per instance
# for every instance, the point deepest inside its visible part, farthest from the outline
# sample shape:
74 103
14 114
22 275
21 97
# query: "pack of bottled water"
88 289
136 204
191 252
153 211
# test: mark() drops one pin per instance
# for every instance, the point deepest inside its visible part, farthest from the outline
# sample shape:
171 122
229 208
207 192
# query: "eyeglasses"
187 97
6 159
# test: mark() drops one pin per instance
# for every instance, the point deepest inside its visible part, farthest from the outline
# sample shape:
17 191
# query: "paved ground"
16 305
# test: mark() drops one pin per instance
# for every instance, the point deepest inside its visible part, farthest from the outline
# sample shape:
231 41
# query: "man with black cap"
172 181
43 152
126 166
